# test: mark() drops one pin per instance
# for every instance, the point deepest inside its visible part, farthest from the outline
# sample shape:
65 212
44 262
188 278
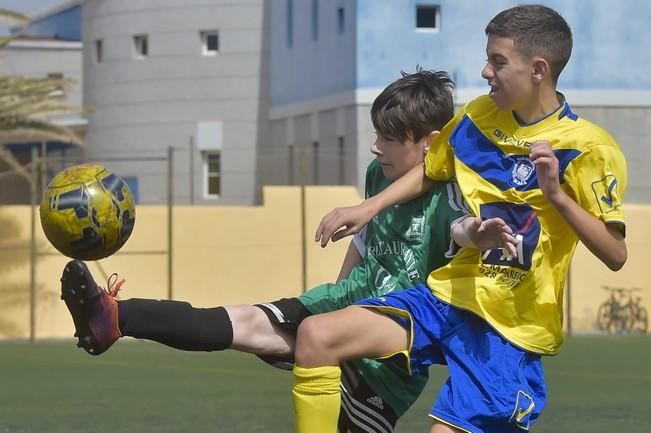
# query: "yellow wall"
230 255
221 255
587 274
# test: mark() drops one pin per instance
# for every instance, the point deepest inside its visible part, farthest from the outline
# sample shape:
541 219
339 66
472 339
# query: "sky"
29 7
26 7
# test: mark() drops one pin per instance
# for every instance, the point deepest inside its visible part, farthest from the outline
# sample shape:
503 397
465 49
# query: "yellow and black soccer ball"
87 212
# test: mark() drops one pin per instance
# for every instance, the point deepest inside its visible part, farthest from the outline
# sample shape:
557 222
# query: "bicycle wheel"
641 321
623 320
604 318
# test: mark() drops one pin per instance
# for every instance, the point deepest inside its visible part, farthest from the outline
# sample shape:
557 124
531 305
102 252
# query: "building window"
209 42
315 20
428 17
98 51
290 23
212 174
341 20
141 46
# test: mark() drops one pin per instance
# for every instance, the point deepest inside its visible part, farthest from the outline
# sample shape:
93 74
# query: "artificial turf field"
597 384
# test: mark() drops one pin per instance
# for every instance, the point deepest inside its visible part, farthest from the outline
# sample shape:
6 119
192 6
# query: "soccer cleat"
94 310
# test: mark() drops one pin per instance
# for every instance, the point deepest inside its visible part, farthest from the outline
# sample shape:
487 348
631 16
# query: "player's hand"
342 222
546 168
491 234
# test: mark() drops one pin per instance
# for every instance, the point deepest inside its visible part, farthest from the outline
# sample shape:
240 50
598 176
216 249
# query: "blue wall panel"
65 25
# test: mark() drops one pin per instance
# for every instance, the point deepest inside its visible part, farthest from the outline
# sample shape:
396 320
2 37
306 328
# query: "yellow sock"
316 399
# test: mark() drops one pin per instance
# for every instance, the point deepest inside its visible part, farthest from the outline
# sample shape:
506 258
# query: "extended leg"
100 320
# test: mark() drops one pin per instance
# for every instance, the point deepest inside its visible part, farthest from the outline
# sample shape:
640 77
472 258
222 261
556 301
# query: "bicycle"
621 313
640 317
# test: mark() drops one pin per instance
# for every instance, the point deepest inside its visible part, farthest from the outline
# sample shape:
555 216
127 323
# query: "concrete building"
160 74
254 92
330 59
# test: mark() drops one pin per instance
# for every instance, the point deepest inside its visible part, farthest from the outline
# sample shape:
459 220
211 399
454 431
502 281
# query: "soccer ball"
87 212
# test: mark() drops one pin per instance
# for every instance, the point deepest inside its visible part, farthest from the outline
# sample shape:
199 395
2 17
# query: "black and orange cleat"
94 309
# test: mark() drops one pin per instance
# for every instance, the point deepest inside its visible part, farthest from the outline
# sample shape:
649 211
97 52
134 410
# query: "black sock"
176 324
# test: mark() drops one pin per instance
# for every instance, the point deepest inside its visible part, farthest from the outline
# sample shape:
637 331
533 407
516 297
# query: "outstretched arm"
346 221
604 240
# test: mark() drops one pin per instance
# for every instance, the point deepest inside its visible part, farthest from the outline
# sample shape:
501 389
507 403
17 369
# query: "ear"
428 140
541 69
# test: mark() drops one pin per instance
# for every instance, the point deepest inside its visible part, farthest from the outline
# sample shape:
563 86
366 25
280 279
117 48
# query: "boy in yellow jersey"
519 154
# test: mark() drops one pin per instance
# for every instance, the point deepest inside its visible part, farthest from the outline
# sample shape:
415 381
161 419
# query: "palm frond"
11 160
12 86
4 40
41 110
27 105
37 130
11 17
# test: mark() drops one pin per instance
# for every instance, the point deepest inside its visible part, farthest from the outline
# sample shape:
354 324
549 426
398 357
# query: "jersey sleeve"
359 240
439 160
598 179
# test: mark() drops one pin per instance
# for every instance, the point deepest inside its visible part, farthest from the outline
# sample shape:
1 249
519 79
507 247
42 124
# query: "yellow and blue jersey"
487 150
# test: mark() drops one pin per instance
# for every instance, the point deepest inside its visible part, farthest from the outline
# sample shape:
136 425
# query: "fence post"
32 250
43 165
303 221
191 173
170 199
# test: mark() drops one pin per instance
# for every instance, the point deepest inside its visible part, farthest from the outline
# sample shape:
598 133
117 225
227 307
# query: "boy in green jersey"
394 252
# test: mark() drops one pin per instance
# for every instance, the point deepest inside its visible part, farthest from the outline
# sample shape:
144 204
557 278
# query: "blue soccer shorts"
493 387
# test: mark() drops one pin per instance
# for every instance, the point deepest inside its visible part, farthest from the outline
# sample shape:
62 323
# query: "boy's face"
509 75
396 157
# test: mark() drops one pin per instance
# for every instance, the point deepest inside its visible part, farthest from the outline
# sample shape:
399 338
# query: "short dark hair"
536 31
415 105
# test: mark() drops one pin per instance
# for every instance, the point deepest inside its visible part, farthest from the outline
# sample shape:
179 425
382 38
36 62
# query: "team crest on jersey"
416 228
606 193
522 171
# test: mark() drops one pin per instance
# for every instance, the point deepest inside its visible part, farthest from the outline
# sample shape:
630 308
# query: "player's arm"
606 241
354 256
490 234
345 221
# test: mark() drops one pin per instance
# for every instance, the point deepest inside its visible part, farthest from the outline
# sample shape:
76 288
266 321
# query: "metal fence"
24 181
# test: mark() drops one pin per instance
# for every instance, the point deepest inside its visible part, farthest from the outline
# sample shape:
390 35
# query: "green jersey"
400 247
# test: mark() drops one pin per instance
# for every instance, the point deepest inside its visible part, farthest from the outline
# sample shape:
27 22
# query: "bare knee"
351 333
315 344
